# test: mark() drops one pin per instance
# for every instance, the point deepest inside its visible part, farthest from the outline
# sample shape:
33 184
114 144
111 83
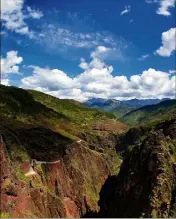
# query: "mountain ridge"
120 108
149 112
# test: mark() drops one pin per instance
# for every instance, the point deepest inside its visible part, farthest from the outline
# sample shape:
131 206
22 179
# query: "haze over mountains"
131 102
120 108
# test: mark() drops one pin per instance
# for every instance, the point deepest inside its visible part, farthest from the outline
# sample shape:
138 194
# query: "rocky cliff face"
44 174
146 183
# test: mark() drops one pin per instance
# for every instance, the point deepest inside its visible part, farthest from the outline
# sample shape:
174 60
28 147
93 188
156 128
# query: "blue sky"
90 48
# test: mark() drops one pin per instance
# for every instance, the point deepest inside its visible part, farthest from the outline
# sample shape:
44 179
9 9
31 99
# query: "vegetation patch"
5 215
153 113
5 183
20 174
18 153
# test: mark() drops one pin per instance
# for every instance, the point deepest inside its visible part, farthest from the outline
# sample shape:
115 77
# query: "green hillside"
118 110
152 112
74 110
121 110
37 108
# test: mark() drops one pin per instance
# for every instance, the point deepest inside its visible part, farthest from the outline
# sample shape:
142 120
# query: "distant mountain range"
137 103
120 108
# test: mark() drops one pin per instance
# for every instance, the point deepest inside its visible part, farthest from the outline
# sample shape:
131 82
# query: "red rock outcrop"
67 188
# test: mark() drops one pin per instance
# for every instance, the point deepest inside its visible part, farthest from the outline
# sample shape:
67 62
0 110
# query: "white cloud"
13 15
36 14
23 30
3 33
83 64
172 71
168 41
165 5
151 1
107 53
5 82
52 36
100 52
64 40
97 80
126 10
11 5
49 79
9 65
143 57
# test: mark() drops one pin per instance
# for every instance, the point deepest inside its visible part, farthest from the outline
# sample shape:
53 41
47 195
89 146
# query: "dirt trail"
32 171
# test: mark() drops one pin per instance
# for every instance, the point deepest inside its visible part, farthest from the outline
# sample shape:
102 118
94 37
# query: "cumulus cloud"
100 52
9 65
168 41
49 79
13 15
97 80
126 10
83 64
165 5
109 53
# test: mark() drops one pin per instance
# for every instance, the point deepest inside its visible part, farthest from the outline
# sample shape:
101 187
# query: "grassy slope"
152 112
119 110
36 108
18 104
75 111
